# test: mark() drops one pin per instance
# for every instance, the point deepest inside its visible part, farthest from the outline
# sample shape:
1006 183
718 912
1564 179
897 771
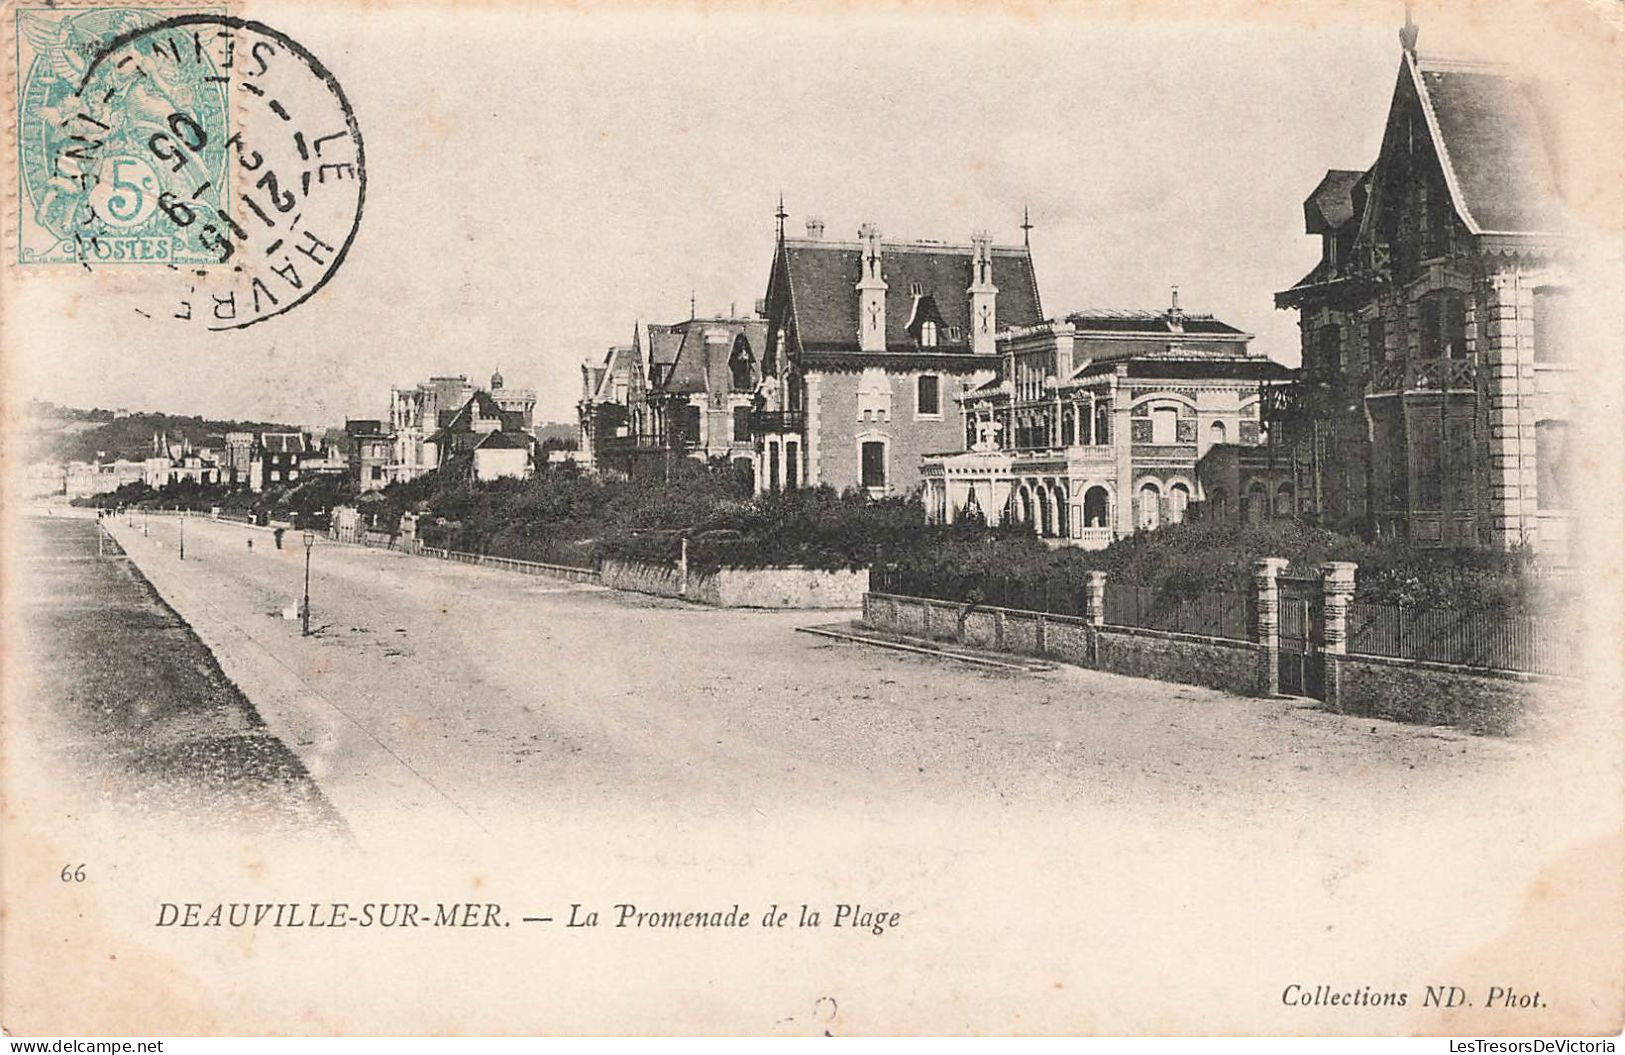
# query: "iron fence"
1218 613
990 591
1470 639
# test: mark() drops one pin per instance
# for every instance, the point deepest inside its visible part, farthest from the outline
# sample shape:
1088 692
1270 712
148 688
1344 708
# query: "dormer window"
928 334
916 290
955 334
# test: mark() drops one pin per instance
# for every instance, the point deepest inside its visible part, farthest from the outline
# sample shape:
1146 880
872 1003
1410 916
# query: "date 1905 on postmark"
212 147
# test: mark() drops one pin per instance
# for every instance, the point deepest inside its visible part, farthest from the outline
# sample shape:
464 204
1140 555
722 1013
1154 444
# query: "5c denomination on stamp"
217 147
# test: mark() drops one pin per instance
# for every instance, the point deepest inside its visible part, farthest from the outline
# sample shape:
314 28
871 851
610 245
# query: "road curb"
924 648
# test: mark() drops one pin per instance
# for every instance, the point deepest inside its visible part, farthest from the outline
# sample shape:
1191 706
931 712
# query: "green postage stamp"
94 186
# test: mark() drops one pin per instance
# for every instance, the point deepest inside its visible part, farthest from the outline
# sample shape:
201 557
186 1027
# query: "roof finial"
781 216
692 311
1408 32
1026 226
1174 308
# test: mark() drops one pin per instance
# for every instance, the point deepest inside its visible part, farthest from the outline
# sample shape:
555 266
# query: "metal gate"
1300 672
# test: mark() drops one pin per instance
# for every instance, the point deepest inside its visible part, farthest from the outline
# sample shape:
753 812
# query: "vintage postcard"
530 518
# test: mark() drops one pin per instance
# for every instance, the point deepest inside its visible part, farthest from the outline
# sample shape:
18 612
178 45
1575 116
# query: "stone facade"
1094 425
1436 332
867 345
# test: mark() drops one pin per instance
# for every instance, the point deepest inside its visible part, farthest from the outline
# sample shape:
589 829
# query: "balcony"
764 422
1429 375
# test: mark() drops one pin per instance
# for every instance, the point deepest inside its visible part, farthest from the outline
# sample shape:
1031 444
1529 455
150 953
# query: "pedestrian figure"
251 545
277 534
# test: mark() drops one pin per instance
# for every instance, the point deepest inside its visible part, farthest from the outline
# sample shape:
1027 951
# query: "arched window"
1218 505
928 334
1150 502
1096 507
1179 496
1216 433
1257 503
1283 500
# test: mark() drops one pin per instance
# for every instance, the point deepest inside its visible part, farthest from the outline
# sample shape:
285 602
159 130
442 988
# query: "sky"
540 180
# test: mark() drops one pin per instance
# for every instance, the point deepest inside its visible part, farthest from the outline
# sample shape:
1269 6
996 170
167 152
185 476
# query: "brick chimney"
815 228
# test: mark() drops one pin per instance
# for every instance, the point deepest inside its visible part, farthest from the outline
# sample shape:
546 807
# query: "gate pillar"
1336 588
1266 628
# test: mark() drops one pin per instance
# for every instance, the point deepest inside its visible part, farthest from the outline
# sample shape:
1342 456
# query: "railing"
1427 375
523 567
1469 639
764 421
1214 614
1092 538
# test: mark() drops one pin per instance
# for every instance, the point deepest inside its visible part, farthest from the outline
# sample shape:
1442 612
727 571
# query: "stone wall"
662 580
790 588
787 587
1439 694
1186 658
1477 701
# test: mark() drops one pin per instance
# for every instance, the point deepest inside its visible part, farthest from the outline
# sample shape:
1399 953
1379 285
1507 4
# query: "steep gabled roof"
504 441
619 361
1492 131
823 278
481 402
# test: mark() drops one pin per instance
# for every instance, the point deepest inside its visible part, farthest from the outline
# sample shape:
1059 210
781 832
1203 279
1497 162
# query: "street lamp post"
183 534
310 540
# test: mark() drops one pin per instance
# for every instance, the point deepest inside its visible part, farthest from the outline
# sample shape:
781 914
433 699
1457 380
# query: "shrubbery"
1183 561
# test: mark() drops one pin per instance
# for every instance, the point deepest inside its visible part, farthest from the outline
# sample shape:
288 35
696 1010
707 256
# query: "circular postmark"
221 149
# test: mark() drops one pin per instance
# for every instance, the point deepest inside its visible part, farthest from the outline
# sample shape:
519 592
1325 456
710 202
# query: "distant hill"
66 434
567 435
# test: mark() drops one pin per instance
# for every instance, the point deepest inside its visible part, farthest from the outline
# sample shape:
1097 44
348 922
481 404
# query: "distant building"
277 459
485 441
1437 328
237 463
370 450
1094 424
417 413
869 344
693 399
83 479
520 401
609 391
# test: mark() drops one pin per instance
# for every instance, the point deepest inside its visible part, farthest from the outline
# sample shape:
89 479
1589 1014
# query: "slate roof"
1337 199
504 441
1493 132
284 442
621 360
1155 323
702 366
823 278
664 344
462 419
